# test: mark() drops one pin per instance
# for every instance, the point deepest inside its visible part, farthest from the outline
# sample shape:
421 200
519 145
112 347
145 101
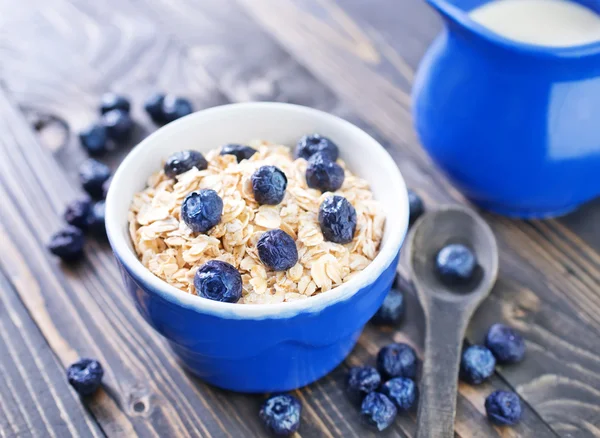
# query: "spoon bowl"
447 308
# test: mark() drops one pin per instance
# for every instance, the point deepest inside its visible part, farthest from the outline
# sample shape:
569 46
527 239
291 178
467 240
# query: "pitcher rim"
463 19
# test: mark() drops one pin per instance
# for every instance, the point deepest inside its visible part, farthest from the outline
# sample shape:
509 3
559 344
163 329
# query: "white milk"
554 23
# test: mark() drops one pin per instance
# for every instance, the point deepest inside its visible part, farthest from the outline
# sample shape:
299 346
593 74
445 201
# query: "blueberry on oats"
324 174
201 210
241 152
311 144
269 184
218 281
182 161
277 250
337 218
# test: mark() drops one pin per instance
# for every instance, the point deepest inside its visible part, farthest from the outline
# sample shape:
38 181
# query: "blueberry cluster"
503 345
380 403
83 215
114 127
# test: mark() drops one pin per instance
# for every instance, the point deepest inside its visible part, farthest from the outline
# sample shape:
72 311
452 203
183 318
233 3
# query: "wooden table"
353 58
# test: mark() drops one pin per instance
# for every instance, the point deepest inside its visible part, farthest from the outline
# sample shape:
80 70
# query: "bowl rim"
125 255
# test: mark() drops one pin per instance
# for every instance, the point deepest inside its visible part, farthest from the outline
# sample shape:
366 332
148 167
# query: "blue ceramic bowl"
268 347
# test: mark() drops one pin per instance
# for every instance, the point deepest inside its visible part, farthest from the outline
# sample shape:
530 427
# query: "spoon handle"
445 330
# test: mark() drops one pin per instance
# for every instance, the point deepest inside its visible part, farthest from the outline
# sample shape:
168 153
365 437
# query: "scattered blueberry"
94 139
112 101
337 218
324 174
277 250
455 263
415 206
218 281
67 243
240 151
311 144
505 344
477 364
378 411
182 161
397 360
269 184
503 408
402 391
201 210
95 219
118 124
174 107
92 174
154 108
361 381
76 213
391 311
281 414
85 376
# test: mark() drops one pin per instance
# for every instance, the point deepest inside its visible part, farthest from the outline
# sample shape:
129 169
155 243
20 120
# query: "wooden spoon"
447 309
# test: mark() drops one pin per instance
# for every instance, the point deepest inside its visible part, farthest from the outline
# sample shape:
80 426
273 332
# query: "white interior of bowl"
240 123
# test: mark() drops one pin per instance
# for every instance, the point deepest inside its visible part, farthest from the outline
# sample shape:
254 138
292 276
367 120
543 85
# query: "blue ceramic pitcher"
516 127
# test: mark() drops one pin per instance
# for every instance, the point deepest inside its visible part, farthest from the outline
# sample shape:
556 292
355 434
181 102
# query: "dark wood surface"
353 58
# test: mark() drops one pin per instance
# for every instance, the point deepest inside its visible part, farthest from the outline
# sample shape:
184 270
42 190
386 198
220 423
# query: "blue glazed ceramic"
514 126
271 347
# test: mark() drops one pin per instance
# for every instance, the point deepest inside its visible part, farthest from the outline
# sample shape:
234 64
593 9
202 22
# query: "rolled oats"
169 249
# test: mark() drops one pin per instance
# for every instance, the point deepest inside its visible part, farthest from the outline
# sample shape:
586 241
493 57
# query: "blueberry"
402 391
281 414
112 101
269 184
361 381
324 174
154 108
397 360
67 243
311 144
201 210
240 151
76 213
378 411
85 376
477 364
92 174
174 107
337 218
218 281
505 344
95 219
118 124
94 139
503 408
415 206
182 161
391 311
455 263
277 250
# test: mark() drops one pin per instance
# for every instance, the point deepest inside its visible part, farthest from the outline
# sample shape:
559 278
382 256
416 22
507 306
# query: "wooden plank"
558 268
35 398
327 411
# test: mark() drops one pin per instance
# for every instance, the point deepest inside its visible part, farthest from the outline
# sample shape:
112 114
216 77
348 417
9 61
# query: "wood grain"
351 56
